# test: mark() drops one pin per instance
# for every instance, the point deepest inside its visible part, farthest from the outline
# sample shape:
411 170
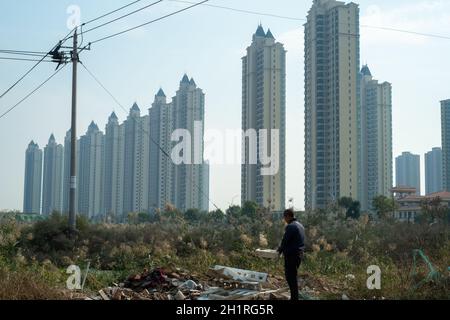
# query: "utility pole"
73 143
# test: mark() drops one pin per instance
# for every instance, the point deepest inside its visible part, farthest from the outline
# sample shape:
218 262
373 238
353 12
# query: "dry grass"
25 286
33 258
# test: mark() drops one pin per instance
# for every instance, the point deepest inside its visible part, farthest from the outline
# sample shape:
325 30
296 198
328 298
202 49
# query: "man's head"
289 215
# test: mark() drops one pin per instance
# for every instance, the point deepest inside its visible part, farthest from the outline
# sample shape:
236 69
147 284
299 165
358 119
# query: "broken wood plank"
104 295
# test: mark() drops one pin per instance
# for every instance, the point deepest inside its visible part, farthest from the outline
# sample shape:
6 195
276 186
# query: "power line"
111 12
46 54
23 59
23 77
122 17
23 54
430 35
145 131
19 52
68 36
244 11
150 22
305 20
104 88
37 63
32 92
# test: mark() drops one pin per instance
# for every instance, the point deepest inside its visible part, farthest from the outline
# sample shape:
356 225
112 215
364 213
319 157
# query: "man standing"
292 247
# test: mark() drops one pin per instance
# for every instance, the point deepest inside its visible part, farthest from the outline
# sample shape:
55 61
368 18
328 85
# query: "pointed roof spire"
260 31
269 34
366 71
92 126
31 144
135 107
113 116
52 138
192 82
185 79
161 93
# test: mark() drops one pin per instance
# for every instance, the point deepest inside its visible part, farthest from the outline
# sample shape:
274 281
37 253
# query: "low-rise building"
409 204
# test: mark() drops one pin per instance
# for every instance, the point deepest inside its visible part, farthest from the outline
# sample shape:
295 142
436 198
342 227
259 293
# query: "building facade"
114 169
205 205
409 206
376 173
129 169
90 173
52 191
136 162
332 161
407 171
445 128
161 166
188 113
33 179
433 171
264 110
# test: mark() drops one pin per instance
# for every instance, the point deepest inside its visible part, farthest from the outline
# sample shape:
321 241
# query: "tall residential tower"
53 177
33 179
113 166
136 162
90 173
331 103
407 168
445 127
264 112
375 139
188 113
433 171
161 166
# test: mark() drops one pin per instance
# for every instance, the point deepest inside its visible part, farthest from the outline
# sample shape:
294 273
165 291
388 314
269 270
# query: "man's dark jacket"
293 240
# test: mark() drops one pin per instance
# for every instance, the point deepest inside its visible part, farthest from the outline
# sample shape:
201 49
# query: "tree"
133 218
216 216
383 206
143 217
173 214
234 211
354 211
250 209
345 202
434 210
353 208
193 215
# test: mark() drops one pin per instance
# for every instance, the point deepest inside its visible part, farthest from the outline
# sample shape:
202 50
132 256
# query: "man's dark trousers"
291 264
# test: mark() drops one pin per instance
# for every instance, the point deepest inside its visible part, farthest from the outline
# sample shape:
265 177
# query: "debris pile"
220 283
147 280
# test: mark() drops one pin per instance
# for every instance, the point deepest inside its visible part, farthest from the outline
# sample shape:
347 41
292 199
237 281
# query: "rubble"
189 285
103 295
220 283
180 296
147 280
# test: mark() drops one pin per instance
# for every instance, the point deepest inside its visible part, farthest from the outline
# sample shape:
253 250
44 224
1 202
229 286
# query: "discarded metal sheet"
242 275
267 253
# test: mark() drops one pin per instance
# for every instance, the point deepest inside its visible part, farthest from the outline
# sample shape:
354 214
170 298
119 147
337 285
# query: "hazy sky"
208 43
